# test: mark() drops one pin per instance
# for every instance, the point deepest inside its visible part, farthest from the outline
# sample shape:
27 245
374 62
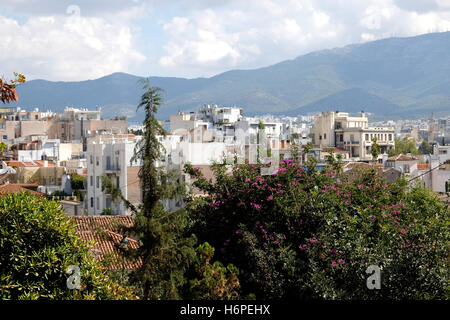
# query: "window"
91 159
390 137
5 137
367 137
97 181
324 136
96 161
92 202
406 168
91 181
117 182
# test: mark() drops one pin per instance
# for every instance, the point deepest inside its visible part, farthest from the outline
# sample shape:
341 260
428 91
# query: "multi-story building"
338 129
110 155
75 125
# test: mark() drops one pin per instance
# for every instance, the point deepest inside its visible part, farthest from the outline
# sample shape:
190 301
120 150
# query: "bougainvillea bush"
301 233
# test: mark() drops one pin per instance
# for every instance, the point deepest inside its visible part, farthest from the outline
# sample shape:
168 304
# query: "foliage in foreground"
37 244
300 233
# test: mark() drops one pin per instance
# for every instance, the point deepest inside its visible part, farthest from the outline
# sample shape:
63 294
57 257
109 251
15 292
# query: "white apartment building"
219 115
338 129
442 152
111 155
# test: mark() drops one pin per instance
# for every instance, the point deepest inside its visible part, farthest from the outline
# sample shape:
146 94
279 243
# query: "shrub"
38 242
301 233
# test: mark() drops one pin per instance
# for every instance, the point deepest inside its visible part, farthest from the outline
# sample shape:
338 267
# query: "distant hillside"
396 77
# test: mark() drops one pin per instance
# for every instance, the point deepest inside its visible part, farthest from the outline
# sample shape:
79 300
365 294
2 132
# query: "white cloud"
199 37
219 38
66 48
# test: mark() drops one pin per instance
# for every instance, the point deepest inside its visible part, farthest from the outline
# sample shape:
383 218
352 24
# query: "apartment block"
110 155
338 129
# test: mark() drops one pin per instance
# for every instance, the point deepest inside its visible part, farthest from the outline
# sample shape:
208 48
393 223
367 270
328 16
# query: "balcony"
112 170
351 142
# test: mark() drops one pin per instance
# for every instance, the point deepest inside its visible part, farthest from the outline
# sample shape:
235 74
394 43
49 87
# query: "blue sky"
79 39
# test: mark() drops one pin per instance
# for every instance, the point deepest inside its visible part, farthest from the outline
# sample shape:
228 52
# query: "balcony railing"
112 169
351 142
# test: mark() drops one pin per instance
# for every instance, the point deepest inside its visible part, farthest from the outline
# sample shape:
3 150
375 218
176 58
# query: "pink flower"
341 261
256 206
360 186
270 197
334 264
304 247
403 230
313 240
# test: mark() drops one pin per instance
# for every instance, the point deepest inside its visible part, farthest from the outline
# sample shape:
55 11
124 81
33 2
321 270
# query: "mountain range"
389 78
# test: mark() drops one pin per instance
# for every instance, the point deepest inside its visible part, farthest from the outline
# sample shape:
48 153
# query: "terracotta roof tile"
104 231
402 157
18 188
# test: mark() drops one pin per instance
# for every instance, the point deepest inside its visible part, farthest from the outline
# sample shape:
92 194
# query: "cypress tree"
165 252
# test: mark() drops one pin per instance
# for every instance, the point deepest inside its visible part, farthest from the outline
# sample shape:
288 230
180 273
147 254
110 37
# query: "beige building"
43 173
78 124
338 129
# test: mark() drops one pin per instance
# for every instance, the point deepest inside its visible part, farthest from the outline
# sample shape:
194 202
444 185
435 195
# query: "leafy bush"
216 281
301 233
38 242
77 182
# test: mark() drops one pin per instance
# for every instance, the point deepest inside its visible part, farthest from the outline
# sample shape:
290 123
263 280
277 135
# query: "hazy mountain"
396 77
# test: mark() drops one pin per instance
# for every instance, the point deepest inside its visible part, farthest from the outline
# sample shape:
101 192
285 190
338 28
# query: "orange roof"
18 188
104 231
35 163
423 166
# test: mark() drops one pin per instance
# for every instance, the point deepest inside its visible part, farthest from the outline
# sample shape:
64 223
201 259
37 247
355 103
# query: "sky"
77 40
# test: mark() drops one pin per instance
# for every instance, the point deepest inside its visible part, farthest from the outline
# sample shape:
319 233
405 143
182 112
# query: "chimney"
362 113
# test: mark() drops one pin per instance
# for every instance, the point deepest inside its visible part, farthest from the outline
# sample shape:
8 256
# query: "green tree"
404 146
77 183
375 150
165 251
215 280
37 244
425 147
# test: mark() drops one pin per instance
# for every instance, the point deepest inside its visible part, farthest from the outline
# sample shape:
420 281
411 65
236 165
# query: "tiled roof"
33 164
402 157
104 231
352 165
18 188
